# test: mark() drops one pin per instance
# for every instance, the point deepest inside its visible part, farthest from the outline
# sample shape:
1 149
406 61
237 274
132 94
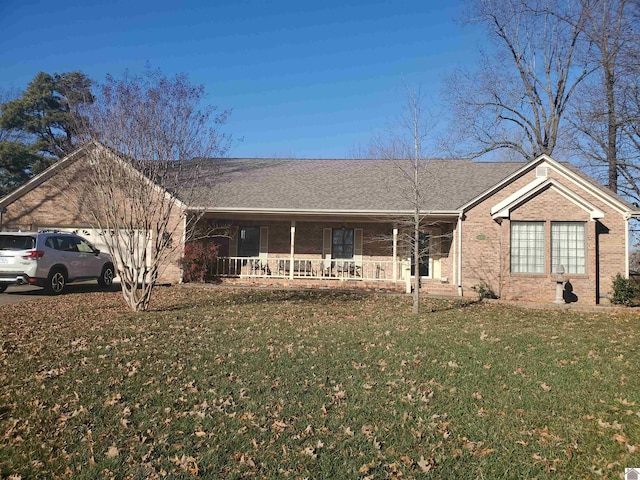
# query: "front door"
423 246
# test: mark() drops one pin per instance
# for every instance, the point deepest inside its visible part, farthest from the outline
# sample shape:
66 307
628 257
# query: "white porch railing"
310 268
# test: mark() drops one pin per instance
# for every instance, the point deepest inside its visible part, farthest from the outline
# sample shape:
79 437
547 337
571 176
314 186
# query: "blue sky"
304 79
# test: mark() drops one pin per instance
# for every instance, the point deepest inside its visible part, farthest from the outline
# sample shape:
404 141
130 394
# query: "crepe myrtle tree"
145 134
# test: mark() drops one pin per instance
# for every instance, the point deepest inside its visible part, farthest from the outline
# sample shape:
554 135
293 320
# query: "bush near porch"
223 383
199 260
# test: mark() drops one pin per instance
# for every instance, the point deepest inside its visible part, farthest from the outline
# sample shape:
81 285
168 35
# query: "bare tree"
147 134
403 144
610 30
630 168
517 98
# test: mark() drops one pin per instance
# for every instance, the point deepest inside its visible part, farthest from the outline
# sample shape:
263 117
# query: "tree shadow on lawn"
313 296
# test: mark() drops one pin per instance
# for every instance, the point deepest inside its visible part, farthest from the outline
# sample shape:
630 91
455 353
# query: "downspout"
184 245
460 254
626 246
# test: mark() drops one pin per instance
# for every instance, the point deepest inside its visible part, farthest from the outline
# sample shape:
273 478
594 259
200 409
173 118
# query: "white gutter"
460 254
184 244
280 211
626 247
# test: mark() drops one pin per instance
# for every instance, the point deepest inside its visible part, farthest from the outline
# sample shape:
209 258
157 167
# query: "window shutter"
233 242
326 243
357 242
264 241
357 246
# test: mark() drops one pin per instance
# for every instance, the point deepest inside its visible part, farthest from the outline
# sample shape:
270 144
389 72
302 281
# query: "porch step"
438 288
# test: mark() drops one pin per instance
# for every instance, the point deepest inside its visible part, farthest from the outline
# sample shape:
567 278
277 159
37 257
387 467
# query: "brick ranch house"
341 223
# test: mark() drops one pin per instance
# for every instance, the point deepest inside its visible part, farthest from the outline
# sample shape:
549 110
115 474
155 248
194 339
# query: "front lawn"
224 383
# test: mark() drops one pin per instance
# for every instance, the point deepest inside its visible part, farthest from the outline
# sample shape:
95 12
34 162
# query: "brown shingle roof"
347 185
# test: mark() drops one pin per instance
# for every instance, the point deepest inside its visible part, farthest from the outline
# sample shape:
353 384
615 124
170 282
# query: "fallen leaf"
425 465
483 452
112 452
310 452
366 430
620 438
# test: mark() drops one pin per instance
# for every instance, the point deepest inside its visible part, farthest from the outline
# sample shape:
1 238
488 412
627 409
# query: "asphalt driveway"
23 293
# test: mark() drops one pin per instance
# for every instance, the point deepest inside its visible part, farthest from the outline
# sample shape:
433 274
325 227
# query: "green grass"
219 383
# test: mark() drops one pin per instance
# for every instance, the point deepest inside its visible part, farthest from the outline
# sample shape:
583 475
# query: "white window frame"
569 247
527 250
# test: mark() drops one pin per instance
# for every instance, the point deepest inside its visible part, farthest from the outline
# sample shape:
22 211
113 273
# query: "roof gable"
43 176
503 209
573 176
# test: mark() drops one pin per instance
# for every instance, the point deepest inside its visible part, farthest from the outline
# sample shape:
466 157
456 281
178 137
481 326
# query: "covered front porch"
324 252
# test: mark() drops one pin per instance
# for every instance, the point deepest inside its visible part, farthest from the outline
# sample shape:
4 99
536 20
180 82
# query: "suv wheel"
56 281
106 277
3 287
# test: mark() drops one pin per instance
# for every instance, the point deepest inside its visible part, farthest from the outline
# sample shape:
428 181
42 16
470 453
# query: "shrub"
198 261
625 290
485 291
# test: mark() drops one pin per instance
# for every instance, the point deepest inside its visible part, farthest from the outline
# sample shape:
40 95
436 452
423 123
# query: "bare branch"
147 135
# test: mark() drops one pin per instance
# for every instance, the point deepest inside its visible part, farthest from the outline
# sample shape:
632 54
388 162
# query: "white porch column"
293 245
395 254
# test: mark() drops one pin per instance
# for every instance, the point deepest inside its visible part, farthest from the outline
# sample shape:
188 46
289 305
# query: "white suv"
51 260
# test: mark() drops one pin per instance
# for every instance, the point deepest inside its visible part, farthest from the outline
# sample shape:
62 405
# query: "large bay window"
568 246
527 247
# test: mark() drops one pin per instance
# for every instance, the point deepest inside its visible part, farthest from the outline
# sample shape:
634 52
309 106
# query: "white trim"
395 253
276 211
292 249
517 195
176 201
626 248
184 243
503 208
460 255
70 158
556 166
42 176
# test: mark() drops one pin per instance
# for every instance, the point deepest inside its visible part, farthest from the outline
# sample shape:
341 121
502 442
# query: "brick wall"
62 201
486 251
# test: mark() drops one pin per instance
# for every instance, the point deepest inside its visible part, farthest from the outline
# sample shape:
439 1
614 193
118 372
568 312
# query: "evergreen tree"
39 127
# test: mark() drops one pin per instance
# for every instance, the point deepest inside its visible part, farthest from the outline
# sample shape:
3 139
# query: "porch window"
527 247
568 246
249 242
342 243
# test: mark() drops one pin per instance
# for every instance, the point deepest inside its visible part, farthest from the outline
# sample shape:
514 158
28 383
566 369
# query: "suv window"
64 244
17 242
84 247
